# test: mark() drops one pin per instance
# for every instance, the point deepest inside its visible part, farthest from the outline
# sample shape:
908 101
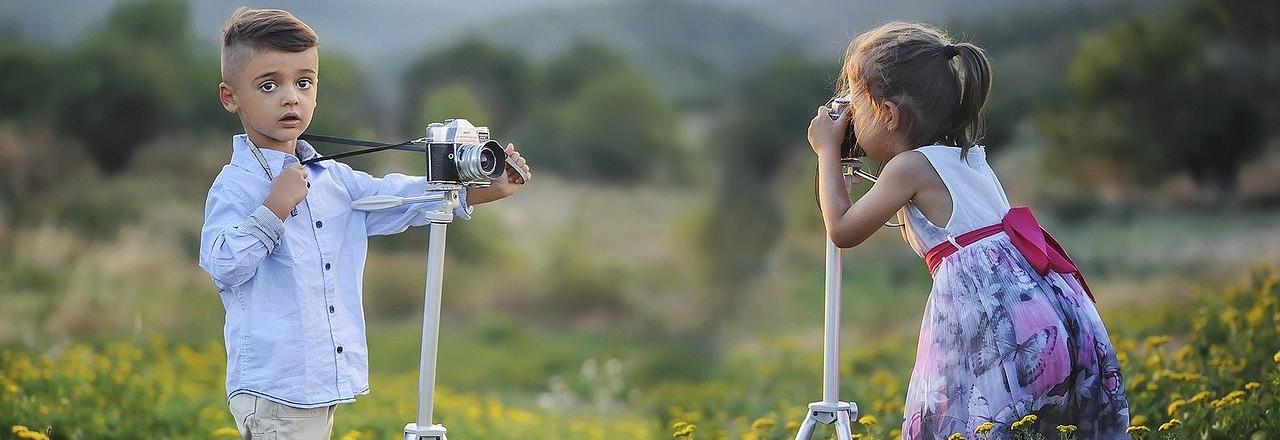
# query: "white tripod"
831 410
422 428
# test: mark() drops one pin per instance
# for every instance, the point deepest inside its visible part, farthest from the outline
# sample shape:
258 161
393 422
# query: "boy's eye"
304 83
269 86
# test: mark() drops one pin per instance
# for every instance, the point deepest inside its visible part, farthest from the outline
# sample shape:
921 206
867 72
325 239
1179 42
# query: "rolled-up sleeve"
396 220
236 236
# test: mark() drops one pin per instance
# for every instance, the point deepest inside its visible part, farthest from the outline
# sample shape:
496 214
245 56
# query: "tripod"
422 428
830 410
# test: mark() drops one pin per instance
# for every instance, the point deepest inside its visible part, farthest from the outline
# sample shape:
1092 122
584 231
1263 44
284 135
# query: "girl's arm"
850 224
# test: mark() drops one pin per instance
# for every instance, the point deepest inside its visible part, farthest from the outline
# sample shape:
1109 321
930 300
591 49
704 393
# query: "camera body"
462 154
849 148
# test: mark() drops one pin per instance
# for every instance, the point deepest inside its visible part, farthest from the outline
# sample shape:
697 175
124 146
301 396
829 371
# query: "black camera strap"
373 147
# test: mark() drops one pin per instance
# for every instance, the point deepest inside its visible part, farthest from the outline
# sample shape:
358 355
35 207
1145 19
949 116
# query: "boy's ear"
227 97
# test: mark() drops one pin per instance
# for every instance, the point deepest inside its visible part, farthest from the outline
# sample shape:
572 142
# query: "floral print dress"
999 341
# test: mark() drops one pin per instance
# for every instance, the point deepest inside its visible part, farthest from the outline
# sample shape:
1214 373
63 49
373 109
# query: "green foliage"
114 99
341 99
499 78
23 78
453 101
577 64
615 129
1156 96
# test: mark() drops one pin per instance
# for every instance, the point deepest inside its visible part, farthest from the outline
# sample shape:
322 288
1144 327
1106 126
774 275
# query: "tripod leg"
806 428
842 426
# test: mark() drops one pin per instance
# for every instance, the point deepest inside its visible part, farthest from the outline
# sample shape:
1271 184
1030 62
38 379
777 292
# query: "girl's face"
871 122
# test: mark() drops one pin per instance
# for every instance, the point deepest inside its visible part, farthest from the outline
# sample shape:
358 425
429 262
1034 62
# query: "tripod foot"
434 432
839 413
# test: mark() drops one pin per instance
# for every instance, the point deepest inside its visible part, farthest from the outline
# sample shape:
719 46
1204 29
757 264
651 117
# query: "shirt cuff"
264 224
463 210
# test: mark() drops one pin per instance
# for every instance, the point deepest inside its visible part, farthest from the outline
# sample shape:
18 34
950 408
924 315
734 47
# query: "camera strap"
262 160
373 147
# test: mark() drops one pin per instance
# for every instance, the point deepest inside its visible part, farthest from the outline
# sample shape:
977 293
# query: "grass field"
581 313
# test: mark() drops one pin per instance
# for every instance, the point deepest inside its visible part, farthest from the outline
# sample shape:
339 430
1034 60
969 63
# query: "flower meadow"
1208 368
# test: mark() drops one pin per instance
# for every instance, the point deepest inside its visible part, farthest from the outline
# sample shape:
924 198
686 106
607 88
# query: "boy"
283 245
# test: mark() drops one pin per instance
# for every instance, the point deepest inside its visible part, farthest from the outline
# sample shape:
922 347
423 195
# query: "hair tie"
950 51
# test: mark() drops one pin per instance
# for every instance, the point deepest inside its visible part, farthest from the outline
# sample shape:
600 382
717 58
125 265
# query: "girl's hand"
826 134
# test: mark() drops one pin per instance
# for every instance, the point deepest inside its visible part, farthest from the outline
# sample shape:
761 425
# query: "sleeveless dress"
999 341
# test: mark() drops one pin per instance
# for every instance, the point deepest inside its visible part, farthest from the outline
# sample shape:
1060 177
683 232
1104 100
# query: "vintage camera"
849 148
461 153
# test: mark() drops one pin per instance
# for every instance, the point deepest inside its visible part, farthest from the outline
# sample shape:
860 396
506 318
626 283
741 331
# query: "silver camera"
461 153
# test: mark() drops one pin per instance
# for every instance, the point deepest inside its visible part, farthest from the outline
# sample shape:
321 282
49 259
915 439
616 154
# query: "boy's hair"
939 86
250 30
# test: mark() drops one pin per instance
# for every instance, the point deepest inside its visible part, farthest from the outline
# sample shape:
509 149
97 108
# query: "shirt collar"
242 155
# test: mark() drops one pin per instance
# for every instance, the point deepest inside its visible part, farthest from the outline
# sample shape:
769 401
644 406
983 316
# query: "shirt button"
326 266
339 349
319 223
330 309
308 184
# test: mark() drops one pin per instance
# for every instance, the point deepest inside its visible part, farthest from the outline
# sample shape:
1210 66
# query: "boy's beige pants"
262 419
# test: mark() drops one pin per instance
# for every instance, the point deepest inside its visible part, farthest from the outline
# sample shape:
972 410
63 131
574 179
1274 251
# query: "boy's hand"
510 182
505 185
287 191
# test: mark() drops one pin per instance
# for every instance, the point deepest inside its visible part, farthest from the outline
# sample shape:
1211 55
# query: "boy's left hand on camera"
510 181
825 134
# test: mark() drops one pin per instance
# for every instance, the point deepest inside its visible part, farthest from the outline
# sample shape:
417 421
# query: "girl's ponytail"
973 72
941 87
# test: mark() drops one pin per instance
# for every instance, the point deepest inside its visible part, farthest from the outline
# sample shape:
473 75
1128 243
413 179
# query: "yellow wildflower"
1176 405
1252 386
1198 397
18 428
985 427
955 436
1139 429
868 420
762 424
226 432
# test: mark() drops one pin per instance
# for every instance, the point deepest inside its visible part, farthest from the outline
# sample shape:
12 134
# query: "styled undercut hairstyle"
251 30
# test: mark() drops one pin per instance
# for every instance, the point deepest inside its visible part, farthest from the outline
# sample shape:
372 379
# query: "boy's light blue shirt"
295 331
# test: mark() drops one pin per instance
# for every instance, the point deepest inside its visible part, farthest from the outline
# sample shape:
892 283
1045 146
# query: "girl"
1010 328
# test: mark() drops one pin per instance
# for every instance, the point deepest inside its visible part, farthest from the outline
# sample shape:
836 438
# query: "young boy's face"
274 92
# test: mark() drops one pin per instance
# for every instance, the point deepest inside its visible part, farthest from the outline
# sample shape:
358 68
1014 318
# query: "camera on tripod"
462 154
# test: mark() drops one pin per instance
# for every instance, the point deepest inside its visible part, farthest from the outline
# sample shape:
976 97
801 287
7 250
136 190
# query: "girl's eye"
304 84
269 86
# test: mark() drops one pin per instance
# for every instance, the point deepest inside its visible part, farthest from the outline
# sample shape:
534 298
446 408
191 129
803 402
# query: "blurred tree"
124 82
499 77
767 129
113 98
574 66
1157 96
22 70
341 108
453 101
615 129
773 109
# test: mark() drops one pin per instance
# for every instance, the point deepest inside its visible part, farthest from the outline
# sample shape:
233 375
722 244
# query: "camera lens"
478 163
